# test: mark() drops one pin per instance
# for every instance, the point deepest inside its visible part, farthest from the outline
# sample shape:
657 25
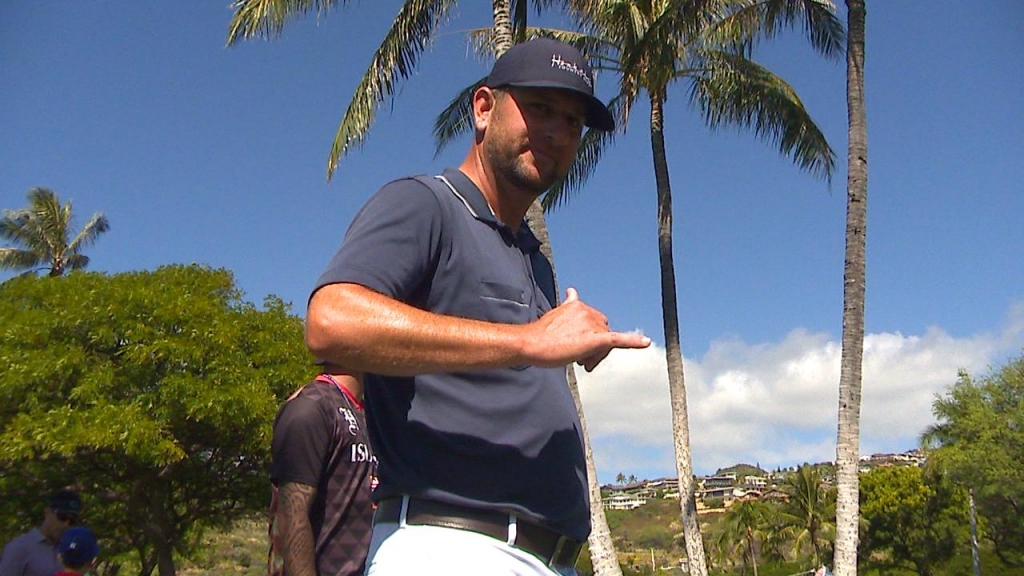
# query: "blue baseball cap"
548 63
77 546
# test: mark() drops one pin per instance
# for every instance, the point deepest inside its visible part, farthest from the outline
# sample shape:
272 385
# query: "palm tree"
395 59
854 279
809 511
745 526
42 230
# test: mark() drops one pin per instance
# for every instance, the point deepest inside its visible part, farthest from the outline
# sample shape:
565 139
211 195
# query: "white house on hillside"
622 501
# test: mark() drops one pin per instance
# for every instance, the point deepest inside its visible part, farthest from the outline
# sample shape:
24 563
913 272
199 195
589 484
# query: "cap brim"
598 115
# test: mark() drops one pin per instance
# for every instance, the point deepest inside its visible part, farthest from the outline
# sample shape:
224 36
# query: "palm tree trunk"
502 30
602 548
753 556
673 351
854 277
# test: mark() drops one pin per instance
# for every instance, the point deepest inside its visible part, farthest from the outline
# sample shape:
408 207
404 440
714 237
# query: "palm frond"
12 225
76 262
481 40
17 259
456 119
40 227
591 148
763 19
266 18
739 92
395 59
519 19
96 225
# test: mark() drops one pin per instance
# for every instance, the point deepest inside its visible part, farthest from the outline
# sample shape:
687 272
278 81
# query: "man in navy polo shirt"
440 296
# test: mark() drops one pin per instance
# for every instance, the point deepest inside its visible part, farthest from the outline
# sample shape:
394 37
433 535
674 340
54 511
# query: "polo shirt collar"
474 201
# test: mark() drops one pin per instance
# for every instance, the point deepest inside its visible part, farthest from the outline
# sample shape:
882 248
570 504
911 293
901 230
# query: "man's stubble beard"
515 169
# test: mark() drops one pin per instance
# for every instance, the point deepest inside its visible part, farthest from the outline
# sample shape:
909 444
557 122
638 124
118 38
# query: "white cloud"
776 403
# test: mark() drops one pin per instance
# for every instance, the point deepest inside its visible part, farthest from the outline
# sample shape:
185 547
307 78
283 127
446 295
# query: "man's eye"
541 108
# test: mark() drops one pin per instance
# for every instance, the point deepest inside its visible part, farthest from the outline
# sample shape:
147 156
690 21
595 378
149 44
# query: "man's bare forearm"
298 548
366 331
362 329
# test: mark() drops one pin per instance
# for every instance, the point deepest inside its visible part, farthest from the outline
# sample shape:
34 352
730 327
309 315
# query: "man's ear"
484 102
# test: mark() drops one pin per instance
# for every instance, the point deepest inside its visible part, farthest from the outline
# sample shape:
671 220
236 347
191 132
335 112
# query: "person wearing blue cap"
34 553
439 296
77 550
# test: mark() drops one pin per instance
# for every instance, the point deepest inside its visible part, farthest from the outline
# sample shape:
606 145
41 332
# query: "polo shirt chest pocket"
506 303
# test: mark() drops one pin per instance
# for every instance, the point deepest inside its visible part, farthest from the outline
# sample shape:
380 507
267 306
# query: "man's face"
533 134
56 522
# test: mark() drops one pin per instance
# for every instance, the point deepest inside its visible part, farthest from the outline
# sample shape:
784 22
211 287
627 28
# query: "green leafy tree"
910 519
854 286
977 443
41 233
152 393
810 512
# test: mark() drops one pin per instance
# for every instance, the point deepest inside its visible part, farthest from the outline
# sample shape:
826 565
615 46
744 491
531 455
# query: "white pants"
398 549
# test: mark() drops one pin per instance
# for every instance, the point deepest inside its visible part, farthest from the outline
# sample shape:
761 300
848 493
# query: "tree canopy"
152 393
977 441
910 519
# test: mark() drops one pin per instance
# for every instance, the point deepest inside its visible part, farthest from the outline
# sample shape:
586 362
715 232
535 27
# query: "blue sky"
201 153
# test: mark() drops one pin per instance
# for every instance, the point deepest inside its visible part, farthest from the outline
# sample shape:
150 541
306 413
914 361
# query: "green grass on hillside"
241 550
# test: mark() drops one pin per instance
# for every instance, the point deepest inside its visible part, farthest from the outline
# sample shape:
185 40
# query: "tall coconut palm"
395 60
854 280
809 512
43 230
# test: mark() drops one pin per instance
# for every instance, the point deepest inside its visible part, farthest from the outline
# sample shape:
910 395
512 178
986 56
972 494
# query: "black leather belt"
551 547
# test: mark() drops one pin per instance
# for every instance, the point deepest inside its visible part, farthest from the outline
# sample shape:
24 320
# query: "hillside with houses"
738 483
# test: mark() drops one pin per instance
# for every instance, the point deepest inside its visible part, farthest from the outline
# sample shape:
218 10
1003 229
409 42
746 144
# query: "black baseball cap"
66 501
548 63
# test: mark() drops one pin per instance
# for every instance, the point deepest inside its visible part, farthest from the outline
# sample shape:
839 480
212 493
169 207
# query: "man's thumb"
571 295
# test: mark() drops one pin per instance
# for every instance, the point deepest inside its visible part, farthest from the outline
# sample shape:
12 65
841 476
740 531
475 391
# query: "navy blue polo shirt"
506 439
